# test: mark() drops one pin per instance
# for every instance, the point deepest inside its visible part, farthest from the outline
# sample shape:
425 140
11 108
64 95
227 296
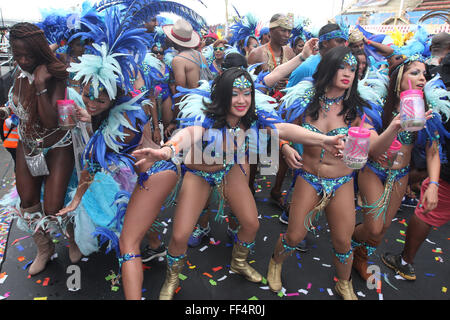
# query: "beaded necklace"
328 102
234 130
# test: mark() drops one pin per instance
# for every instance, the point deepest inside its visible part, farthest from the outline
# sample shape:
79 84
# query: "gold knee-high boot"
345 289
274 270
240 265
174 268
44 243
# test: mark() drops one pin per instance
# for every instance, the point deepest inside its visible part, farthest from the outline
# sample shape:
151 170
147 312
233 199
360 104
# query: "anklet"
370 249
127 257
287 248
247 245
171 259
343 257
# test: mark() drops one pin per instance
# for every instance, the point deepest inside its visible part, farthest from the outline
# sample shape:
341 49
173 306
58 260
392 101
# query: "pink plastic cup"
356 149
67 114
412 110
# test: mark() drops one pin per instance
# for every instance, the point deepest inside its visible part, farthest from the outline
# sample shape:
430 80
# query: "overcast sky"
317 10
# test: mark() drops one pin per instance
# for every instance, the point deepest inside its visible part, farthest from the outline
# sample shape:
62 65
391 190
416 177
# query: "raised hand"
82 114
41 76
309 48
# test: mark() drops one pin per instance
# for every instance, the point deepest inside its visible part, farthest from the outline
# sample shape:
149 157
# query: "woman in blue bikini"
382 184
231 112
323 183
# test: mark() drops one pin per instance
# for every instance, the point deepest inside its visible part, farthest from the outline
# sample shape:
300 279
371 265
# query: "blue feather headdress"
156 38
140 11
243 29
61 26
107 146
116 52
299 31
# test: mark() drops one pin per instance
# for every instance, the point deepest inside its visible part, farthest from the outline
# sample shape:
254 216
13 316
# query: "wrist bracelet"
434 182
301 57
41 92
172 150
282 143
173 147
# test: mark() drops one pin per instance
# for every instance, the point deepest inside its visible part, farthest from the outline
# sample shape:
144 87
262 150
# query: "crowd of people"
171 114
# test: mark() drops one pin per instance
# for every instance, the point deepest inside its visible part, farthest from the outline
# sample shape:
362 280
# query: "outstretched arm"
297 134
381 48
182 140
283 70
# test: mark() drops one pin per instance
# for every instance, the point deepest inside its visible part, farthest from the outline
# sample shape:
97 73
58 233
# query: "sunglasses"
219 48
157 52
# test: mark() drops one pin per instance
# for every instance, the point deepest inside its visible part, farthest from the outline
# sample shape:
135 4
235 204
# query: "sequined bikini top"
406 137
333 132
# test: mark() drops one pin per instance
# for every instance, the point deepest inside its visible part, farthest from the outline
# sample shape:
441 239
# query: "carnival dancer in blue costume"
263 81
219 47
299 35
323 183
160 72
245 34
44 163
382 184
229 127
118 122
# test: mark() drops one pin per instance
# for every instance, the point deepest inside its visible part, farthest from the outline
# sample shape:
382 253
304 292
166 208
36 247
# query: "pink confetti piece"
292 294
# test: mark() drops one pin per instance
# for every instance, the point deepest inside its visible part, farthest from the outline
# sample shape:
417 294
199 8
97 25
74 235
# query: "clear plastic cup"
356 149
412 110
67 114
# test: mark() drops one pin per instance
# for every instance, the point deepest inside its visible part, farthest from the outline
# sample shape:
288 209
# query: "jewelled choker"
328 102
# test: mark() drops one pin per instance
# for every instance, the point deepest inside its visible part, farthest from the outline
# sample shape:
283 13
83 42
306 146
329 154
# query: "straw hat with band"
182 33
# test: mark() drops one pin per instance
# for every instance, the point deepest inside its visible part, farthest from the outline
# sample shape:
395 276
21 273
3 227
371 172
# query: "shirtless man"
276 51
189 66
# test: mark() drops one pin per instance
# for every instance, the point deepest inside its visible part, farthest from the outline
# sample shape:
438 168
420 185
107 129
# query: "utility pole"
399 12
226 19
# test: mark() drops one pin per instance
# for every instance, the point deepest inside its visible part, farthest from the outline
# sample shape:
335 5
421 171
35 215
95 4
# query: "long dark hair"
362 53
221 96
324 76
393 97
